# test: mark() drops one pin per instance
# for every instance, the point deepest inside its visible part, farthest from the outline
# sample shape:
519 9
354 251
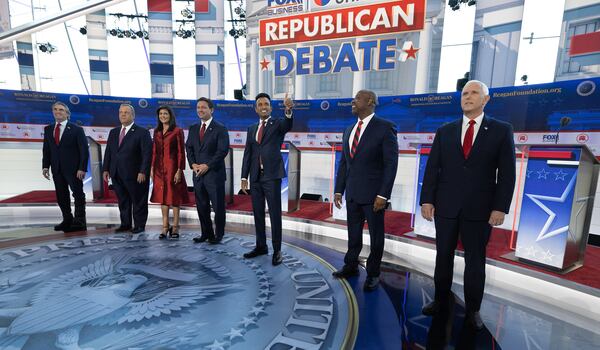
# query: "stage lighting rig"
47 48
238 19
455 4
184 32
83 30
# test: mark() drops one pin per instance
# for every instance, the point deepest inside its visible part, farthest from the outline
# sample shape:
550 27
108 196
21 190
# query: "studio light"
187 13
47 48
83 30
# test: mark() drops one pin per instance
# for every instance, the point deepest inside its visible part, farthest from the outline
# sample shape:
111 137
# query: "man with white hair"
467 187
65 154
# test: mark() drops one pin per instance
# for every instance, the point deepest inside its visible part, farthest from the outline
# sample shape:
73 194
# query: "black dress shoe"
474 320
346 272
123 228
200 239
139 229
431 309
62 226
75 227
277 258
371 283
256 252
215 240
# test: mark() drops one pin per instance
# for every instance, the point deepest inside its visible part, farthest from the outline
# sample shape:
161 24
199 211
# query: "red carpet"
396 223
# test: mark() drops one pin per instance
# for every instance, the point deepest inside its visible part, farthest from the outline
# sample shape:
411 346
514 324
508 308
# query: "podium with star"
558 197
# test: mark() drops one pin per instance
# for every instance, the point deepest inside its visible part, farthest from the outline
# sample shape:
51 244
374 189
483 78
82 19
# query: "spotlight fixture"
187 13
113 32
455 4
47 48
83 30
524 79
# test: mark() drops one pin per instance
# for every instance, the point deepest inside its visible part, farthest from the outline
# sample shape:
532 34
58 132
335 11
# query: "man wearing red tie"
467 187
366 174
263 164
207 146
65 151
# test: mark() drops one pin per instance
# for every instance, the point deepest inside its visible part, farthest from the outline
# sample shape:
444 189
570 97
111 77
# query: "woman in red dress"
168 162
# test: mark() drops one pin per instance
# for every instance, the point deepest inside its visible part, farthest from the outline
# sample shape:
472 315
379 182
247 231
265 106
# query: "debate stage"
102 290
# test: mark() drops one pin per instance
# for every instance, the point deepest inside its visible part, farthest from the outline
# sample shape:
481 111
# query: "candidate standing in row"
366 175
467 188
127 161
207 146
65 152
263 165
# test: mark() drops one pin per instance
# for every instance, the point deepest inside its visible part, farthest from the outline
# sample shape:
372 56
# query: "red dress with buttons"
168 155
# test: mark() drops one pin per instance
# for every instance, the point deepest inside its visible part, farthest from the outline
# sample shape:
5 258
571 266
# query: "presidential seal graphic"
136 292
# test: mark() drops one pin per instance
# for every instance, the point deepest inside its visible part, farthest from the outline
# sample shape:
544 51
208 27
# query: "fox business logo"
284 7
549 138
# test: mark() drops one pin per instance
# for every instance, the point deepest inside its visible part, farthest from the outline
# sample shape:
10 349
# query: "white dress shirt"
362 129
127 128
205 122
260 121
465 126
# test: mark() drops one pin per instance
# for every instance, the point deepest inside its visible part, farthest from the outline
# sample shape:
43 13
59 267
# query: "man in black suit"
65 150
264 164
207 146
366 173
467 187
127 161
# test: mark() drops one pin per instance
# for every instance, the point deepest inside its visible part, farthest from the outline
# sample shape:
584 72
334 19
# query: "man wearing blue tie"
467 187
207 146
263 164
127 161
65 151
366 174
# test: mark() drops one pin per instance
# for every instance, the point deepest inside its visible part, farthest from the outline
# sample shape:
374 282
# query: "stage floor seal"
123 291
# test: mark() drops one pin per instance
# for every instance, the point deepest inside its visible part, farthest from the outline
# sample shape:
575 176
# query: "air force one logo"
132 292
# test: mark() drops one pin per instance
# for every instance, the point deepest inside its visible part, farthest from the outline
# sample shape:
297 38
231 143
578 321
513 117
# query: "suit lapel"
346 140
268 129
366 131
207 133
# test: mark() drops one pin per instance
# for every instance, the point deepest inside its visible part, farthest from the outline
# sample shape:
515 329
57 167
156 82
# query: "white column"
358 78
422 73
252 84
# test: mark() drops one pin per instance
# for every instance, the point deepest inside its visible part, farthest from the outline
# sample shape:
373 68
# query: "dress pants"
356 216
474 235
271 191
133 199
61 185
207 193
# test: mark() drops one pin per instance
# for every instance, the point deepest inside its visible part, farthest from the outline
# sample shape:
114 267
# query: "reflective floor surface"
104 290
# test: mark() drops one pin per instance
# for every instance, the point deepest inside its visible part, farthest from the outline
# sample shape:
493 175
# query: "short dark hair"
261 95
172 123
208 101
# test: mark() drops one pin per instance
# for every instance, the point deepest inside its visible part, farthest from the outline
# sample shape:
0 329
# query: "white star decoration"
257 311
536 198
529 173
560 175
543 174
246 321
530 251
235 333
216 345
547 256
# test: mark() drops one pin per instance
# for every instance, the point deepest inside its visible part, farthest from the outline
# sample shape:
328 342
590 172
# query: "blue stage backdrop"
534 111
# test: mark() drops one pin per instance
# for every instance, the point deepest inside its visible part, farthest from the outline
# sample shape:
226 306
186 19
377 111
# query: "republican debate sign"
290 23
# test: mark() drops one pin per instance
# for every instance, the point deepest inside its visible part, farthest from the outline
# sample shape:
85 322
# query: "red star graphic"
412 52
264 64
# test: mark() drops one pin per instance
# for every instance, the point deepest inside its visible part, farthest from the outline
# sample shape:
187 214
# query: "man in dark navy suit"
207 146
127 162
65 151
264 165
366 173
467 187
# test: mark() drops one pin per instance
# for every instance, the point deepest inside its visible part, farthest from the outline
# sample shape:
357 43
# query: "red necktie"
121 135
57 134
202 131
356 139
468 141
261 130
